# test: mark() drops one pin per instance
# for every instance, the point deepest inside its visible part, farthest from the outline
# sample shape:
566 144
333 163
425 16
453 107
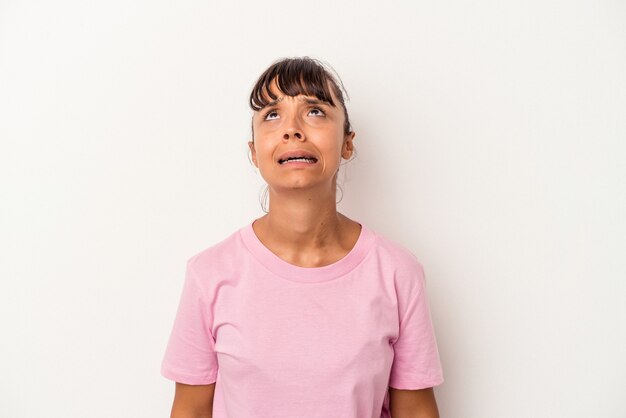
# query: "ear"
348 146
253 152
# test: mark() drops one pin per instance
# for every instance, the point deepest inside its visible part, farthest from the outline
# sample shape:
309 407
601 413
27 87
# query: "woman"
304 312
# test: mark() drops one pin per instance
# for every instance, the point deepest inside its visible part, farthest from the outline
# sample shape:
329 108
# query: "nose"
292 130
293 133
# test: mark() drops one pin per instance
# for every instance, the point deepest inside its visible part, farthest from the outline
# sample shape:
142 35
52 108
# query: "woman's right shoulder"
222 254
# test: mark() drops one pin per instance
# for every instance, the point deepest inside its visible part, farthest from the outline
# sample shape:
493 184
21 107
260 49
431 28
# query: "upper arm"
190 356
193 401
413 403
416 362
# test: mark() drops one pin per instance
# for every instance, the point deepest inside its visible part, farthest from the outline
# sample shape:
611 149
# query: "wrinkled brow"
315 101
307 100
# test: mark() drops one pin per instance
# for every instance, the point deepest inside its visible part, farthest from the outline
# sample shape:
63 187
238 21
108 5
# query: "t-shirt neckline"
292 272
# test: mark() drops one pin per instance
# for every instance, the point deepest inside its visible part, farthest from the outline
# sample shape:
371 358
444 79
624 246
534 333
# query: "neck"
304 220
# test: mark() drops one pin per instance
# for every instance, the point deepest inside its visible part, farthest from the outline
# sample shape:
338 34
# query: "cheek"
264 134
264 152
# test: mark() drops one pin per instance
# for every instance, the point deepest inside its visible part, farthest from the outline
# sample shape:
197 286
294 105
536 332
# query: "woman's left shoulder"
393 250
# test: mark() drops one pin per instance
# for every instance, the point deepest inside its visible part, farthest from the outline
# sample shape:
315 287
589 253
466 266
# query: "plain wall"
490 141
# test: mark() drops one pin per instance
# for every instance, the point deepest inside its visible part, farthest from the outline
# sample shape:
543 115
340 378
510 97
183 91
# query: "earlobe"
349 146
252 153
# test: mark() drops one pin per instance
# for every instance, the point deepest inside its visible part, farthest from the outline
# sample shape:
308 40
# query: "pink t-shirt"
284 341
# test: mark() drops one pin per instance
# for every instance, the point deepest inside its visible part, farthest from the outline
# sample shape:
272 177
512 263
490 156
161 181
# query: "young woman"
303 312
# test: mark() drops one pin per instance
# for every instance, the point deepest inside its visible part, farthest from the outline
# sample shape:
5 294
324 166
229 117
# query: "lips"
298 153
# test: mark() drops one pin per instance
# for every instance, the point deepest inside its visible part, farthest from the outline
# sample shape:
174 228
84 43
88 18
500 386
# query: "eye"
316 112
271 115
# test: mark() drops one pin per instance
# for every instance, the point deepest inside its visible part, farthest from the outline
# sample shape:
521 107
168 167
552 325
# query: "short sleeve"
416 363
190 356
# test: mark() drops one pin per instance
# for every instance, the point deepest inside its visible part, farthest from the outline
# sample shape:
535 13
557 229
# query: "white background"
490 140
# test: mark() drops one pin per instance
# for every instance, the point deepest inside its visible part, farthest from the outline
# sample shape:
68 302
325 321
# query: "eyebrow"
315 101
274 102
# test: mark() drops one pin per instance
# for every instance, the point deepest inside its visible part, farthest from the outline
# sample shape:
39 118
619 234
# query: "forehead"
281 97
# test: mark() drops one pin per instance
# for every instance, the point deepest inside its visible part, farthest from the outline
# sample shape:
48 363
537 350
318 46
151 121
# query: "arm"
412 403
193 401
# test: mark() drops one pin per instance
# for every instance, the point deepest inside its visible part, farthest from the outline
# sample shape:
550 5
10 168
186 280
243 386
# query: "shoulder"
398 260
392 250
220 257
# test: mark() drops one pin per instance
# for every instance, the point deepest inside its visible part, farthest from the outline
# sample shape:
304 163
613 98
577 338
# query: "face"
304 124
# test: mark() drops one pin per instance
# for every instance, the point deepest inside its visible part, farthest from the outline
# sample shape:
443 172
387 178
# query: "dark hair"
300 75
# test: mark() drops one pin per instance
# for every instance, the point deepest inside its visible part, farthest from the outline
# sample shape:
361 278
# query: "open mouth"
309 160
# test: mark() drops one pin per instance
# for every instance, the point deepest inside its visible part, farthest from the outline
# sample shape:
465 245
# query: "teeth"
308 160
